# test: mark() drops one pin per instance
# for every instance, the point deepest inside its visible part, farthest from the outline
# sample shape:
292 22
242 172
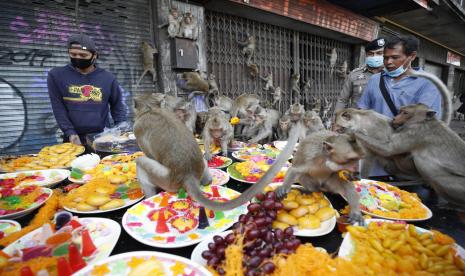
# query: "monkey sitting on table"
262 125
173 158
217 130
317 163
437 151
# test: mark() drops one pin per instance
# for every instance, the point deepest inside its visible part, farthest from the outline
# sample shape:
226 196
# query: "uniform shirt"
353 88
408 90
81 102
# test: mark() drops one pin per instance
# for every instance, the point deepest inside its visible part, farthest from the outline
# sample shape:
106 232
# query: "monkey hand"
225 154
356 217
282 191
207 156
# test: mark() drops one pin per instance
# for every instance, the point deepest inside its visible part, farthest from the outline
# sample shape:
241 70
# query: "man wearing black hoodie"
82 94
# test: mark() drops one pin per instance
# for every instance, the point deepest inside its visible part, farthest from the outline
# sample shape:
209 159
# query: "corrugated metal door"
33 37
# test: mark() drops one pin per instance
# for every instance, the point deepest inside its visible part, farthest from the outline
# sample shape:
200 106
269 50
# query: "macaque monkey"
307 90
437 151
239 107
295 87
248 49
253 70
185 111
173 159
311 123
218 131
147 54
343 69
277 96
332 60
325 107
284 126
268 82
195 82
295 112
173 22
315 166
224 103
189 28
317 105
261 128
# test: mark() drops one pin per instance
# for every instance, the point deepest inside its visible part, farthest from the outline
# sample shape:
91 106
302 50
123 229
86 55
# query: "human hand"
74 138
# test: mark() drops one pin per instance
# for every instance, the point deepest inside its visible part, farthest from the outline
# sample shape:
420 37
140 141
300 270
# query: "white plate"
243 180
118 265
281 144
104 232
139 223
128 202
9 226
325 227
77 181
30 209
238 145
347 246
429 213
219 177
86 161
51 177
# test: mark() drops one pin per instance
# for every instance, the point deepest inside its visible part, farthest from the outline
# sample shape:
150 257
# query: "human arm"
365 101
58 107
117 105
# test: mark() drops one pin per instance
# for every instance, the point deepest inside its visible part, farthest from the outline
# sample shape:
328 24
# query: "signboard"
322 14
453 59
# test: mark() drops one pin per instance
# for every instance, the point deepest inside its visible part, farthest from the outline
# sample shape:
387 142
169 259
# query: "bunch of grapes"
261 242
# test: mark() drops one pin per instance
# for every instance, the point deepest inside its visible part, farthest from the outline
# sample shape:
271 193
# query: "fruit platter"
252 170
219 162
20 201
7 227
100 195
310 214
382 200
172 220
43 178
238 145
50 157
117 173
397 247
121 158
250 152
281 144
214 149
144 263
219 177
66 247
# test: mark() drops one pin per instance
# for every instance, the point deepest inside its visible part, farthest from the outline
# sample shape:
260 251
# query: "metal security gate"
33 37
280 51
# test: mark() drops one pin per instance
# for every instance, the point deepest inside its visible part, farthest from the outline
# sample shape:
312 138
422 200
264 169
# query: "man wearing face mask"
393 88
82 94
358 78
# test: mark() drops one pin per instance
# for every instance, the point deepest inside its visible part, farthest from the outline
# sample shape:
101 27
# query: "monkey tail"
192 185
446 98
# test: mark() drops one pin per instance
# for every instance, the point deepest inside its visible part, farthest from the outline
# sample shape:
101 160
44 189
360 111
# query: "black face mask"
82 63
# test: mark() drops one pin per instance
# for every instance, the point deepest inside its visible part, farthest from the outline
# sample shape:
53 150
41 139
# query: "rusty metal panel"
184 53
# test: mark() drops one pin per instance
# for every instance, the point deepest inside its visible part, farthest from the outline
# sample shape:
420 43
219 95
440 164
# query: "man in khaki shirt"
358 78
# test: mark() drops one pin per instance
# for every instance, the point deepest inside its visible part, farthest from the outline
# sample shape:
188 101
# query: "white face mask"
398 71
374 61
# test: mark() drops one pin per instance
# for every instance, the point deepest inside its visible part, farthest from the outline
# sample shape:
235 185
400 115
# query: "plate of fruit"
310 214
171 220
7 227
64 248
379 199
20 201
219 162
45 178
121 158
117 173
219 177
100 195
395 247
145 263
238 145
249 153
251 171
214 149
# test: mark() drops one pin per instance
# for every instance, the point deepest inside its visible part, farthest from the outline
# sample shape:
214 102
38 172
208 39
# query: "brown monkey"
224 103
248 49
189 27
332 60
311 123
261 128
173 159
218 131
185 111
173 22
316 163
253 70
295 87
284 125
147 54
195 82
295 112
239 107
277 96
437 151
268 82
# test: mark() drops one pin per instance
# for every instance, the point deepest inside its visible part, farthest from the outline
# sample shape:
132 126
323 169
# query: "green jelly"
61 250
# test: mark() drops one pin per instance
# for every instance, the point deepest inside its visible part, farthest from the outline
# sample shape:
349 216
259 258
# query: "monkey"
253 70
185 111
268 82
147 54
343 70
378 126
189 28
311 123
173 158
325 107
284 125
261 128
307 90
239 107
316 163
248 49
174 21
332 60
213 90
224 103
317 105
295 112
437 151
194 82
277 96
218 131
295 87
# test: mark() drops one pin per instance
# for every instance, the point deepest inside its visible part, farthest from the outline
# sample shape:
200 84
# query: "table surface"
446 221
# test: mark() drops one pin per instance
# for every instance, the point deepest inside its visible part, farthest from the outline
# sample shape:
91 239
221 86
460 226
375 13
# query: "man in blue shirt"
82 94
399 52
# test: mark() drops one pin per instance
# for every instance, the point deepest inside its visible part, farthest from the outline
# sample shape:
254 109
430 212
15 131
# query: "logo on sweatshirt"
84 93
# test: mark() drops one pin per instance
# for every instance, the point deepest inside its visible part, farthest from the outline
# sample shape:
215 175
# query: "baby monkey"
218 131
317 163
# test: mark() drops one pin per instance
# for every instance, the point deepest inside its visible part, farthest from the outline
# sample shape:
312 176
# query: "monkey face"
412 114
216 133
344 150
284 125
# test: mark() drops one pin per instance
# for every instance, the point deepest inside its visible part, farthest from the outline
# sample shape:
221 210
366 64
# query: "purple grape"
207 254
289 245
271 195
253 253
260 222
221 271
213 261
263 232
218 239
251 273
220 251
283 251
289 232
296 243
272 214
260 197
268 204
260 214
253 207
279 234
265 252
269 220
253 234
255 261
268 267
278 206
212 246
269 236
242 218
230 238
278 245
